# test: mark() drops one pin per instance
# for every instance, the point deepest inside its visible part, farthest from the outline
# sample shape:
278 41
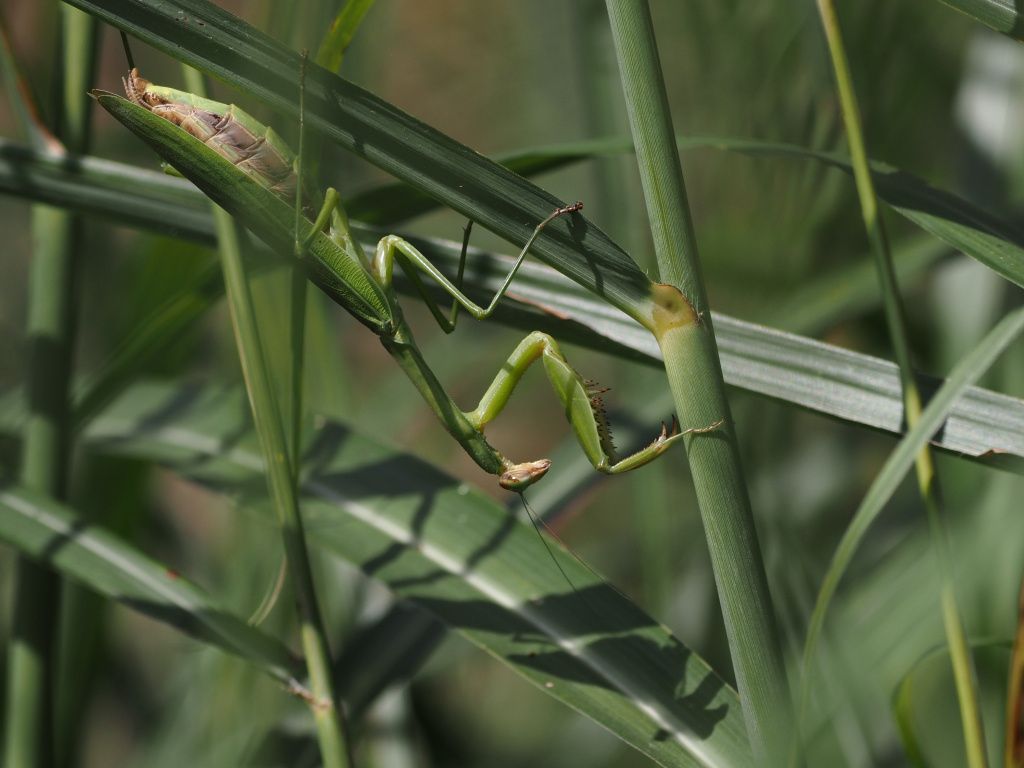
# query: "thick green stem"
280 478
695 375
927 478
45 459
29 720
282 459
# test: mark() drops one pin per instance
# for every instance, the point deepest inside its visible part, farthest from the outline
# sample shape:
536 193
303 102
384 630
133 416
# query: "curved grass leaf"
1002 15
903 712
958 222
223 46
970 367
980 235
904 702
461 556
55 535
837 382
824 378
989 239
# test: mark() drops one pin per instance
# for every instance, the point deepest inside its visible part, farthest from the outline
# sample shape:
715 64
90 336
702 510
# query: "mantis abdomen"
252 147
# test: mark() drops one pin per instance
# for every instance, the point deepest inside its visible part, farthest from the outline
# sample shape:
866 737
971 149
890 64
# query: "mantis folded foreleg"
580 399
583 408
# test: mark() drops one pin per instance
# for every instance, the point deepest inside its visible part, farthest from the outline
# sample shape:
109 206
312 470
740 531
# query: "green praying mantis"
248 169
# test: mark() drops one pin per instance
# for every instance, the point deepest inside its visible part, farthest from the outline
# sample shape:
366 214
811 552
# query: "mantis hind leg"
583 408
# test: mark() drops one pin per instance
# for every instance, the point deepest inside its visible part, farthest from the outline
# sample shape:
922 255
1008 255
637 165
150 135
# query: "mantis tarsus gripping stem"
249 170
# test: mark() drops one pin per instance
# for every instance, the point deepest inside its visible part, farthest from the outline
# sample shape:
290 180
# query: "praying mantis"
248 169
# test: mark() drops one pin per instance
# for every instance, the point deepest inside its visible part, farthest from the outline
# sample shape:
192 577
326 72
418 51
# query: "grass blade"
55 535
900 462
226 48
1000 15
461 556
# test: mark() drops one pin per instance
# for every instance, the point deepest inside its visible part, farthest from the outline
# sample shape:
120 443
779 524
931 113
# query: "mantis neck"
452 418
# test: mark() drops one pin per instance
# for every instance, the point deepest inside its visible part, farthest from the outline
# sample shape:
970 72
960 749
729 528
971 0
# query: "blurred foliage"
505 76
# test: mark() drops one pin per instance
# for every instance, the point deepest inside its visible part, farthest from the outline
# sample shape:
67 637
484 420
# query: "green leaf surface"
984 425
982 236
57 536
994 242
840 383
970 367
460 555
1002 15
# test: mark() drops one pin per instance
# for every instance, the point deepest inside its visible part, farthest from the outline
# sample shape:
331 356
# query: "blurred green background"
940 96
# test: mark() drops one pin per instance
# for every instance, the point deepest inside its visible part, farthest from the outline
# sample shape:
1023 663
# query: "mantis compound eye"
522 476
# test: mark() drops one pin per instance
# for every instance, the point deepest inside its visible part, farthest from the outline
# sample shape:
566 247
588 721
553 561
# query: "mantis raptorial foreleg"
581 400
246 168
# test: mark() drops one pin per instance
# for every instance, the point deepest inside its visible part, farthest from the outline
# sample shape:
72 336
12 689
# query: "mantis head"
521 476
139 91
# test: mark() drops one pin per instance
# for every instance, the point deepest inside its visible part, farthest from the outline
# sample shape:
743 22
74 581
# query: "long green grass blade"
226 48
900 462
56 536
983 425
461 556
1002 15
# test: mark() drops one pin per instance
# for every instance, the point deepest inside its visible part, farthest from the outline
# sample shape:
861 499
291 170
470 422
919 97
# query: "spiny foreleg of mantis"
247 169
583 408
580 399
